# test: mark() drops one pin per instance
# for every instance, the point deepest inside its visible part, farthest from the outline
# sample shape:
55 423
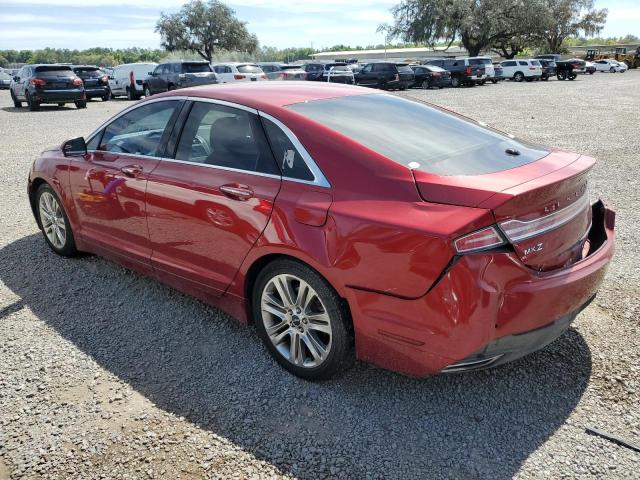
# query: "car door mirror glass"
16 78
76 147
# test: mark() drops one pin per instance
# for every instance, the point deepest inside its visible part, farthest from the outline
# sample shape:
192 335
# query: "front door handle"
237 192
131 170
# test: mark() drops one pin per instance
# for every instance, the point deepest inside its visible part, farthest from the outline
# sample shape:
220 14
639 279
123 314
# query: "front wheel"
16 103
425 84
455 82
54 222
612 70
147 91
518 77
107 96
302 320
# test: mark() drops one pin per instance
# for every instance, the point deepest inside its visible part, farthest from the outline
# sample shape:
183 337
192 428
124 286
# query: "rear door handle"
131 170
237 192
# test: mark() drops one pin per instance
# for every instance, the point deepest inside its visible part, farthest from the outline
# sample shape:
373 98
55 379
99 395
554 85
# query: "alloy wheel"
52 219
296 321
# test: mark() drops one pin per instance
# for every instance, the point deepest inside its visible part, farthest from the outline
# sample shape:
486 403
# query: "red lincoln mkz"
337 219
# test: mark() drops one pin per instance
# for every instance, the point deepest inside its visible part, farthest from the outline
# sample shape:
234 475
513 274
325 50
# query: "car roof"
270 96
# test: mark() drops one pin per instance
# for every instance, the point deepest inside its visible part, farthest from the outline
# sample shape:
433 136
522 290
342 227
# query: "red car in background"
342 223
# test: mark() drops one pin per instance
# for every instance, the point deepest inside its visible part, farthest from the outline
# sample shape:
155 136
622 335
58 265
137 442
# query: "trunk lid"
542 208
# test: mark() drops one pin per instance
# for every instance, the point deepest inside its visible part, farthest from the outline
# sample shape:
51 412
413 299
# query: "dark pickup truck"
463 71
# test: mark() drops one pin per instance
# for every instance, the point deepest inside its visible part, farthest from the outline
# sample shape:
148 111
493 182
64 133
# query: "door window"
286 154
139 131
226 137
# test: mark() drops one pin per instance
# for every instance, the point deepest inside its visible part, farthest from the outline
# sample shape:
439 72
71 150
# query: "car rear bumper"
95 91
57 96
484 305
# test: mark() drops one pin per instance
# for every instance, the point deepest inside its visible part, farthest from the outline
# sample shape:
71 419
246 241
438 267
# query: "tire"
562 76
518 76
81 103
129 94
494 80
455 82
171 87
573 76
54 222
482 82
425 84
612 70
332 341
33 105
107 96
16 103
147 91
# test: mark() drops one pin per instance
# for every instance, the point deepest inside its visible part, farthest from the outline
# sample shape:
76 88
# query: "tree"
567 18
205 28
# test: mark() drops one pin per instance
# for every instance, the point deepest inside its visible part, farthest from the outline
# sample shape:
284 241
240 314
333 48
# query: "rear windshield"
58 69
195 67
420 136
290 67
88 72
249 69
434 68
535 62
480 61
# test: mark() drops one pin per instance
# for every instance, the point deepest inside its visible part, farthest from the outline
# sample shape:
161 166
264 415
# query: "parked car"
440 245
609 65
334 72
428 76
128 79
589 68
578 65
548 68
623 67
95 81
565 70
53 83
556 57
386 75
522 69
238 72
488 68
497 68
5 80
180 74
282 71
461 70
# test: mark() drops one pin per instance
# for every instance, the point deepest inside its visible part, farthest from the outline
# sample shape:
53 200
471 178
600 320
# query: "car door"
108 184
157 81
208 205
19 85
365 76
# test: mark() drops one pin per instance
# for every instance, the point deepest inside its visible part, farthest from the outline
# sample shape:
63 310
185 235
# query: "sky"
32 24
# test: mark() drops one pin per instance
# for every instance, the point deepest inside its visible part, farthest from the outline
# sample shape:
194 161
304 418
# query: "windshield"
420 136
249 69
88 72
195 67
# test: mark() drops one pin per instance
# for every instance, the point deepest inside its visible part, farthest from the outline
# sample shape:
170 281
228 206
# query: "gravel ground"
106 374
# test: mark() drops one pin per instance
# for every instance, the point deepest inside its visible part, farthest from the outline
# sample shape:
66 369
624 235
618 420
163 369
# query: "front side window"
286 154
226 137
139 131
420 136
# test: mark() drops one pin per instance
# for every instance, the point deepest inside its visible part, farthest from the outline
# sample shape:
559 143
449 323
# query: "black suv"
548 68
96 82
386 75
464 71
180 74
38 84
334 72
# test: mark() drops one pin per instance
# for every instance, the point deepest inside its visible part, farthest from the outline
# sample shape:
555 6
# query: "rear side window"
225 137
405 69
286 154
419 136
535 62
509 63
140 130
523 63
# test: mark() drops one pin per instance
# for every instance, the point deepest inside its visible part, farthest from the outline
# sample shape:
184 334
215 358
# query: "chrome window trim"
318 177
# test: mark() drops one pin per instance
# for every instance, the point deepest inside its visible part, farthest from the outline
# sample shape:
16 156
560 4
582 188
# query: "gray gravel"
106 374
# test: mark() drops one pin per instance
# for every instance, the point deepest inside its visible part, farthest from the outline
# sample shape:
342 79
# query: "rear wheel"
455 82
107 96
130 94
16 103
518 76
612 70
425 84
54 222
147 91
302 320
81 103
34 105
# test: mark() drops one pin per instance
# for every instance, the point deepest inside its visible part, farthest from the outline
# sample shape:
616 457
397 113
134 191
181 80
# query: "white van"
124 76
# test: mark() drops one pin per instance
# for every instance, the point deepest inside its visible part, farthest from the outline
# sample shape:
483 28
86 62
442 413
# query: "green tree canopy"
205 28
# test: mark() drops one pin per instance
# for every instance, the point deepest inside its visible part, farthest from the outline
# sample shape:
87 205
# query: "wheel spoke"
284 290
276 327
317 351
278 338
305 295
320 322
295 350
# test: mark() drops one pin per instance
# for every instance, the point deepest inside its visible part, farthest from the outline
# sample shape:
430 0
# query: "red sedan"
341 222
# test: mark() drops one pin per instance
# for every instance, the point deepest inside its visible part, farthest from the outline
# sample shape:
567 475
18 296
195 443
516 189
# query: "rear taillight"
239 77
38 82
467 70
104 79
517 230
77 82
481 240
435 74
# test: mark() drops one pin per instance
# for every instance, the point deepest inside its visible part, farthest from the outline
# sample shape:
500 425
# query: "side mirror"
76 147
152 73
110 77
